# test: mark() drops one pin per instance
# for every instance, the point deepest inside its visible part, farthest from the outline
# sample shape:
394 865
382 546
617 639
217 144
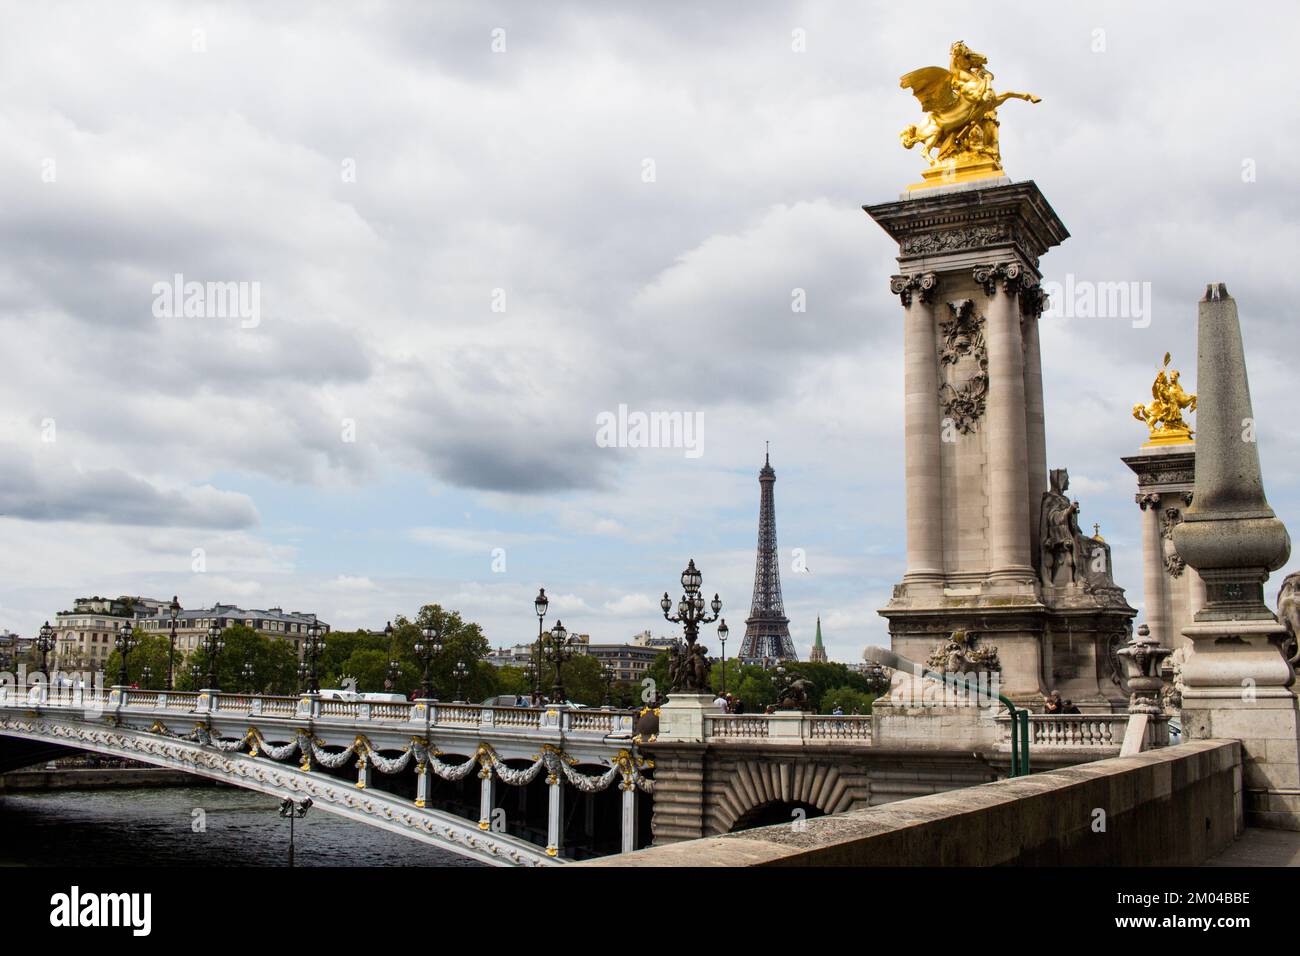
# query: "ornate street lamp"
173 611
312 648
294 810
530 673
427 647
250 673
558 650
394 665
607 675
213 645
723 631
125 641
690 668
460 672
302 675
44 644
539 605
146 676
195 673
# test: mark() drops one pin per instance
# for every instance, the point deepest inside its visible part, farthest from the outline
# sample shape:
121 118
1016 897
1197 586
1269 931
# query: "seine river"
190 826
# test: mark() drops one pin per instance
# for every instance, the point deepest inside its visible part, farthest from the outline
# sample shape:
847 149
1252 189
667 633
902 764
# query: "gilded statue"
1164 416
960 135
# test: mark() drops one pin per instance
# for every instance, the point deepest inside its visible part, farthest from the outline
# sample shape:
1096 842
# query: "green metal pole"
1024 743
1015 735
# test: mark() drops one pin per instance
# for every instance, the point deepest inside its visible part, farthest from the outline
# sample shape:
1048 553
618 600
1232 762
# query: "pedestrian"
838 711
1052 703
1070 708
737 706
720 703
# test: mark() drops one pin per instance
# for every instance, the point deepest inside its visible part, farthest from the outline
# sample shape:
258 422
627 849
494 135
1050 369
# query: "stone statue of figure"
962 125
688 668
1164 416
1288 614
1059 529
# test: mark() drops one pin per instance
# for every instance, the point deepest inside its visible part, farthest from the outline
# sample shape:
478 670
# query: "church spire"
818 654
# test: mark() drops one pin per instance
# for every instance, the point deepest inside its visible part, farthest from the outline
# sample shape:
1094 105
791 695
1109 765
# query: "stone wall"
1174 806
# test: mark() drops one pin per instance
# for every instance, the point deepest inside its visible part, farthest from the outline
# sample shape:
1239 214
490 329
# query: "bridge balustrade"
554 739
1072 732
788 728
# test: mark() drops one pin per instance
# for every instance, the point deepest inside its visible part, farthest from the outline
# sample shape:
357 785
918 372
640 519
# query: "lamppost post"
461 672
723 631
312 649
394 665
558 649
174 610
291 809
146 677
44 643
426 648
125 641
607 675
213 646
540 605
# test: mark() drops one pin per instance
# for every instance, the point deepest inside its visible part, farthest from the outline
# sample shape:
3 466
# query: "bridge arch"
331 794
750 792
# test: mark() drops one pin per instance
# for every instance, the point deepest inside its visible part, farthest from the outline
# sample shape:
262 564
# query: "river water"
190 826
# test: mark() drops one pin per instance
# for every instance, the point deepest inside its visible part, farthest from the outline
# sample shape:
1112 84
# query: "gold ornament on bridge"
960 136
1164 416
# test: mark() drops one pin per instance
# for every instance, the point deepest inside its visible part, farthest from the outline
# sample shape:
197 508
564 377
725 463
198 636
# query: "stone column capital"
1147 500
1010 275
925 284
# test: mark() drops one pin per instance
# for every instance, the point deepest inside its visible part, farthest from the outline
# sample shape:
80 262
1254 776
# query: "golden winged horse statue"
960 134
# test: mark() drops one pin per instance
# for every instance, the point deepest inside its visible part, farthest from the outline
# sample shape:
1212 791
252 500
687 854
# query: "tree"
584 681
755 688
275 665
150 650
513 680
848 698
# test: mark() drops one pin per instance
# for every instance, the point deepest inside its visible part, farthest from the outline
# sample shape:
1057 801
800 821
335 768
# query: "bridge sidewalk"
1260 847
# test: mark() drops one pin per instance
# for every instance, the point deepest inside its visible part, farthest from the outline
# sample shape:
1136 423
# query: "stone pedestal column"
486 798
1172 592
1031 307
628 826
921 429
1008 453
554 815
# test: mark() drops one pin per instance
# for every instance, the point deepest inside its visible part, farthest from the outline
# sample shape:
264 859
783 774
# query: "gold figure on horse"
1164 416
960 135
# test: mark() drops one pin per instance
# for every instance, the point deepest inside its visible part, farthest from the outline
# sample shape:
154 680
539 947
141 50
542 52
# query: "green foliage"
657 672
275 665
848 698
755 688
513 680
583 681
151 651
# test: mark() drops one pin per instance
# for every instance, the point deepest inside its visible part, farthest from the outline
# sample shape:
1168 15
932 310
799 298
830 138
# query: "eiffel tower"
767 631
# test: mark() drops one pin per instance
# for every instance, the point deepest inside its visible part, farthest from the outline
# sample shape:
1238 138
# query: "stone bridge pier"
707 789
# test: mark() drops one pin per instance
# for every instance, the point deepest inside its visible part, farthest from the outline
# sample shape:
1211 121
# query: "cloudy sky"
473 229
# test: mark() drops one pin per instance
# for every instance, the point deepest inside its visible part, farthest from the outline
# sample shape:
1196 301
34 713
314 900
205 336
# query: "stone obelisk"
1236 681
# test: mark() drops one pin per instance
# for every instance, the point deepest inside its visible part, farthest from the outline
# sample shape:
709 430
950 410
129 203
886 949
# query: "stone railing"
855 727
1053 732
516 720
789 727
